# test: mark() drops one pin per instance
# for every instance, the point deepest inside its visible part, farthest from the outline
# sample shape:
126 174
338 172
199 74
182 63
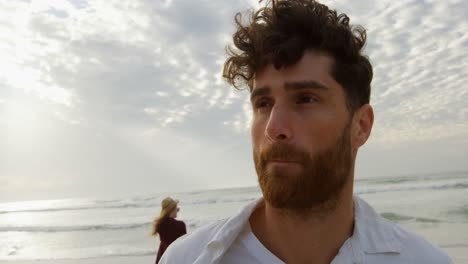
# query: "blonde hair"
167 206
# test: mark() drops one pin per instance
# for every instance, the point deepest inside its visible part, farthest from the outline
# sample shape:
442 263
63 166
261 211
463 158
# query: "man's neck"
303 238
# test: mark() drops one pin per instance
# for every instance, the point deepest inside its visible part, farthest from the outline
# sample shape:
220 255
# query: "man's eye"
306 99
262 103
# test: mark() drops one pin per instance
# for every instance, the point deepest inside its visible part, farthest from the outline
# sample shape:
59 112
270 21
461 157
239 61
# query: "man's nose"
278 128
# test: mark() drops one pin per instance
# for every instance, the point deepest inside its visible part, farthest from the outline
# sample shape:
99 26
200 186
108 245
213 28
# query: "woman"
168 228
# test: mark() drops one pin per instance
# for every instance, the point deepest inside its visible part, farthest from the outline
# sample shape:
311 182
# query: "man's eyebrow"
304 85
259 92
289 86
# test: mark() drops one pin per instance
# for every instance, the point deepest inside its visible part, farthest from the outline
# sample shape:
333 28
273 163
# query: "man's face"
301 134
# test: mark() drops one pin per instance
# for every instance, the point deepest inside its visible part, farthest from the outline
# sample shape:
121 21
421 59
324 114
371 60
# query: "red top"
169 230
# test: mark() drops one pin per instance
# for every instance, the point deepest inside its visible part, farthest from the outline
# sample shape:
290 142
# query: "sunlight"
22 51
34 205
21 119
35 81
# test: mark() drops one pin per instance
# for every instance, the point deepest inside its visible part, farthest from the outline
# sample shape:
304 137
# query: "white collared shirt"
247 249
374 240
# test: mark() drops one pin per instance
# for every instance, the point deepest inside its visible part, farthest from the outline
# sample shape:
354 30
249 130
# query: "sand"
110 260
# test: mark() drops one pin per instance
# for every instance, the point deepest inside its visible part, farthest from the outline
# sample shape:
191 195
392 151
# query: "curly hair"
283 30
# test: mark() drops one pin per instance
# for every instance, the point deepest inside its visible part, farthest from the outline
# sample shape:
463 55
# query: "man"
310 89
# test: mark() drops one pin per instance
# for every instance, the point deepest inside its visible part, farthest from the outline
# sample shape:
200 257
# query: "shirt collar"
372 234
375 234
227 233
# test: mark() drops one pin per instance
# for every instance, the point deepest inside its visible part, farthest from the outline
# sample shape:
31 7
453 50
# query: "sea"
434 206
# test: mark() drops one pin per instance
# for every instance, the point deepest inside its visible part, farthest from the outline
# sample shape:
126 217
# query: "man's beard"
319 184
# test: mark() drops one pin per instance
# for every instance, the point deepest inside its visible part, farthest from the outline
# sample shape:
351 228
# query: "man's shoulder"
187 248
418 249
382 239
411 246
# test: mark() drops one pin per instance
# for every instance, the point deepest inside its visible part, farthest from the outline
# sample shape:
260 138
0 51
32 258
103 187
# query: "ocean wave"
78 208
191 224
54 229
219 200
462 211
103 205
10 250
459 185
247 195
123 253
438 176
95 253
394 217
439 186
457 245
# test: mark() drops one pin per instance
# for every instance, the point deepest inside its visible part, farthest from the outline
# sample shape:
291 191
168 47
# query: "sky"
112 98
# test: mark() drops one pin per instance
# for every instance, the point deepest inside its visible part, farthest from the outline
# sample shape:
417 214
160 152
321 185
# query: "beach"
460 256
113 260
85 231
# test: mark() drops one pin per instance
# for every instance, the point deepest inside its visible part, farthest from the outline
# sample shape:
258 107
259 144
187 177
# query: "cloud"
146 76
418 53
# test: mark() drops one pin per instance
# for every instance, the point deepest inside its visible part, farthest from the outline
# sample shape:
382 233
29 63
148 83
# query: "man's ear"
363 121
